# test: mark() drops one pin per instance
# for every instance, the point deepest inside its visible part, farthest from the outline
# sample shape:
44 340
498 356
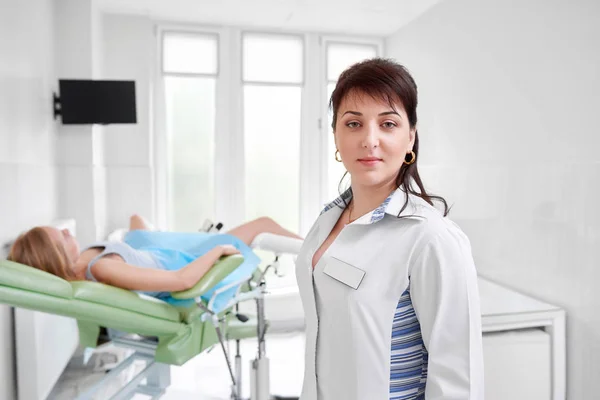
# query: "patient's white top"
130 255
392 307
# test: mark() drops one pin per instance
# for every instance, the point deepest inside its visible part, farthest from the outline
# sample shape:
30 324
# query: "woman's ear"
412 135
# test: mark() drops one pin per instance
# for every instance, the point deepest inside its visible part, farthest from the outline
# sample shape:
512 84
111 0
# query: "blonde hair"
37 249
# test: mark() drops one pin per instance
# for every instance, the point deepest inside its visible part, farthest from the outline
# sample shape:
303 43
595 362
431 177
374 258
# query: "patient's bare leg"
137 222
248 231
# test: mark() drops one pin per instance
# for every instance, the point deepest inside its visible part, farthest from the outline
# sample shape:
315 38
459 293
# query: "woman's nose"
371 139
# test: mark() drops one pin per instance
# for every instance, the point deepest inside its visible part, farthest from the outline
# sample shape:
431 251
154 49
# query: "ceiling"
350 17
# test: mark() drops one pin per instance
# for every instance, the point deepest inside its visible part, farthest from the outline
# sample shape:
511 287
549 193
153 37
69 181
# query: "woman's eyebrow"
381 114
390 113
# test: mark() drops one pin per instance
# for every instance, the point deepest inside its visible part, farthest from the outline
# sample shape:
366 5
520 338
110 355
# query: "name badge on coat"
341 271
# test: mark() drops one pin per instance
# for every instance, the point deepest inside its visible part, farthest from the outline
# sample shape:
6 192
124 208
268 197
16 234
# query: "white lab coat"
351 298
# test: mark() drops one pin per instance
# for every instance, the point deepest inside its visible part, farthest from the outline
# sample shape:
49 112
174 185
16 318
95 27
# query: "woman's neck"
368 198
79 269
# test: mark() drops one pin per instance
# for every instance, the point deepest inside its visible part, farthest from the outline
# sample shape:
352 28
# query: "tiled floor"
205 377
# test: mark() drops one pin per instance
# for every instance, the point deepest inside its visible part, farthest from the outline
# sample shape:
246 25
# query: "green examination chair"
160 333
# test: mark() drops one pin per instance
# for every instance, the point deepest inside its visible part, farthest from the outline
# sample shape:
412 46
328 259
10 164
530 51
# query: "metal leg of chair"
260 379
233 380
261 326
160 377
133 385
260 385
238 369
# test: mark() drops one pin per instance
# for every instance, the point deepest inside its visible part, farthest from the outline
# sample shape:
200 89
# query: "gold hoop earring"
413 158
337 156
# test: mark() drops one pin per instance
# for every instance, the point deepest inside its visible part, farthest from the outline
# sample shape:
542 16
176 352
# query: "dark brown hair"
391 82
37 249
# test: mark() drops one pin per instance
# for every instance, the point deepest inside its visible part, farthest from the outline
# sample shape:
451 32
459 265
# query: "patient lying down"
149 269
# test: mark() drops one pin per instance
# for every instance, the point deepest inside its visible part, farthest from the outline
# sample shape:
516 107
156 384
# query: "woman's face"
373 139
64 238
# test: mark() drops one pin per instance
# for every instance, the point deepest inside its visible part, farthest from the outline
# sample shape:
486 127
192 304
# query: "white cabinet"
524 345
517 365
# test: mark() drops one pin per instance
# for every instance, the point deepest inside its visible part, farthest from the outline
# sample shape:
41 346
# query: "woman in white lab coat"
387 281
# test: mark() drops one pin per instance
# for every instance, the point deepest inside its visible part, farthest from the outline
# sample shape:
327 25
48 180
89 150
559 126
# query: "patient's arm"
120 274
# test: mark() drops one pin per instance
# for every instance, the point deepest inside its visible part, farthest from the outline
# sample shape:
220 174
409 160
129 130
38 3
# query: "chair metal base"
157 375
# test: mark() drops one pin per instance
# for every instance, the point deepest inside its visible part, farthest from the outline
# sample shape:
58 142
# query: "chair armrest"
216 274
277 244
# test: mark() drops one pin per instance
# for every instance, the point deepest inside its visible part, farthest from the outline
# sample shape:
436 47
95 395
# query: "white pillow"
117 235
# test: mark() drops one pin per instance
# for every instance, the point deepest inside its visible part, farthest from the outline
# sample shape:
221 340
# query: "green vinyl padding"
99 293
181 333
225 266
32 279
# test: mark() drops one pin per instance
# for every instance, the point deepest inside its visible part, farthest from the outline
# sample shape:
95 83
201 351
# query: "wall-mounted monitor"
96 102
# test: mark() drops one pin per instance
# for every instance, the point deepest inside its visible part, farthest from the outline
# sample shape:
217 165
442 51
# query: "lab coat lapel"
321 229
326 222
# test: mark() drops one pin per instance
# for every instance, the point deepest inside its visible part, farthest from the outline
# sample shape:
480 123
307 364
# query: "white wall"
509 98
27 136
79 150
128 50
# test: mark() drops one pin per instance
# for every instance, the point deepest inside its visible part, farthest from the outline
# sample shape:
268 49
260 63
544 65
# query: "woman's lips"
369 161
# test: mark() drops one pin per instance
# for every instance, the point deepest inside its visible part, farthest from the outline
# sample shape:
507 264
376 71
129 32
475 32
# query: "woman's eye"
389 125
352 124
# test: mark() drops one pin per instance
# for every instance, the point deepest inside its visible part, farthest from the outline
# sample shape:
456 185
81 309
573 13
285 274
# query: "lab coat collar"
416 206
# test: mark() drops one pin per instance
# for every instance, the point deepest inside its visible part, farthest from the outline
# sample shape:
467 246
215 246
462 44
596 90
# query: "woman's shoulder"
93 248
107 247
100 246
431 223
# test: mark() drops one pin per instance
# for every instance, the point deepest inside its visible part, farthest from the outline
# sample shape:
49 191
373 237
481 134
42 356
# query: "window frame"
247 32
159 142
165 32
229 176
